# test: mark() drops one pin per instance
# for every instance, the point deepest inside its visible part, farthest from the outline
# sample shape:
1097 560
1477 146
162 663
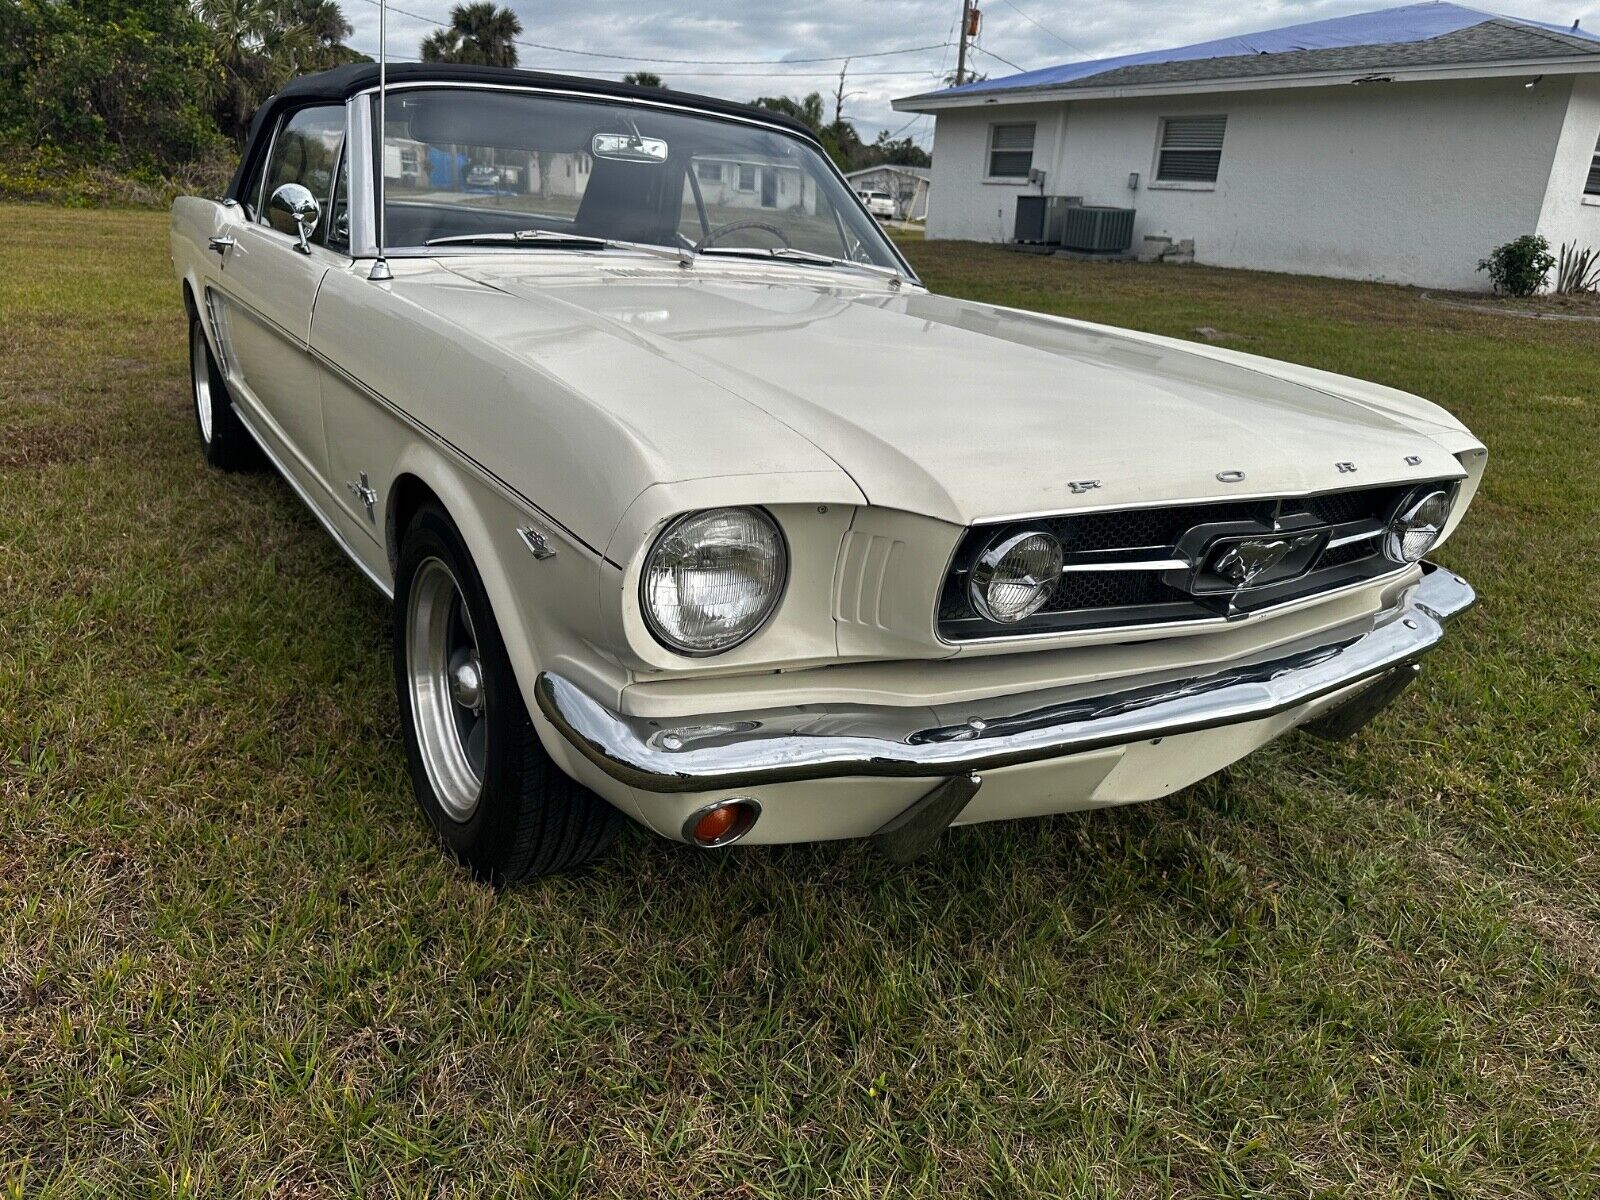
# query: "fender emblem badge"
1413 460
1230 476
1345 468
537 542
367 494
1079 486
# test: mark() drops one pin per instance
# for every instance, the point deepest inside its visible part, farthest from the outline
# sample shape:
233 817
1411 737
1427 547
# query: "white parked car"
710 514
879 204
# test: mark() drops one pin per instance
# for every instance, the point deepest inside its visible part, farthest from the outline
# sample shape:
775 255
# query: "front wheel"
492 794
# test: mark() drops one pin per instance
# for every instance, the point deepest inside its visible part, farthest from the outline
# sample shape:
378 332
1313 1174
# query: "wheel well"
189 303
406 494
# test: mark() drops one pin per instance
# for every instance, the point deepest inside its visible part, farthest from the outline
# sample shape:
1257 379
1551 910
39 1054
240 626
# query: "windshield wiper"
547 237
790 254
555 239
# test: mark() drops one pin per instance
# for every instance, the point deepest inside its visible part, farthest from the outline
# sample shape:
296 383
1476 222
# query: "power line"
731 62
1047 29
556 70
950 40
695 62
992 54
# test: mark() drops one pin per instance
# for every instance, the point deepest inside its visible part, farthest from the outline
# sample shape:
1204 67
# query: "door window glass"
306 152
335 230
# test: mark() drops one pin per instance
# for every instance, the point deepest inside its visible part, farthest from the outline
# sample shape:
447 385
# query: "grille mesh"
1341 556
1145 528
1090 599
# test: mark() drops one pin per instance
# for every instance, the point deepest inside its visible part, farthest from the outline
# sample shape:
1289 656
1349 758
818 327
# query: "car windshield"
504 168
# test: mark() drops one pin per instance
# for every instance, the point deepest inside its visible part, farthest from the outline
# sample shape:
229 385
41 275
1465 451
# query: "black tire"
530 818
225 442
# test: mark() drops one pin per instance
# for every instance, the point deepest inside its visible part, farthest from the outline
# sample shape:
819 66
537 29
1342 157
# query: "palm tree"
261 44
322 29
478 33
808 110
240 30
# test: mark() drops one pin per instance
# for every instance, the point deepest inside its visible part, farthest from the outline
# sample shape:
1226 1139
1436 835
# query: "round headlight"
1015 576
1416 524
712 579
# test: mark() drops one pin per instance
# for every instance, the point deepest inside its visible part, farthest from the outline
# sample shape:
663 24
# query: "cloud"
724 35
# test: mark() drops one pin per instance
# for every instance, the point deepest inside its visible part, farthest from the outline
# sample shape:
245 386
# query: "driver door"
265 284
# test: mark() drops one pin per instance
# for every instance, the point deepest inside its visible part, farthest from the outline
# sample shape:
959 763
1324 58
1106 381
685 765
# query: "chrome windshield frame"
363 231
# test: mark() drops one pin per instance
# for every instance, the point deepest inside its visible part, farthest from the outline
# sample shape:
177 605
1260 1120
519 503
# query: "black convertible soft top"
343 82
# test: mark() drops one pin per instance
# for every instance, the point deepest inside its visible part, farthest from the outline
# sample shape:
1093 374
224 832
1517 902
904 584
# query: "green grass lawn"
233 963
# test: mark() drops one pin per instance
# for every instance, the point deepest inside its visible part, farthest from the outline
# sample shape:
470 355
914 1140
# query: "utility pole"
967 13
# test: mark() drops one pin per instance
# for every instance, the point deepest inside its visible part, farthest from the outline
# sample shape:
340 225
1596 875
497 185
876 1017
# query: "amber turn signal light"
721 823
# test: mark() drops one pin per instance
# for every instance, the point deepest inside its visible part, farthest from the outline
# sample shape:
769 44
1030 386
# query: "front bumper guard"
784 745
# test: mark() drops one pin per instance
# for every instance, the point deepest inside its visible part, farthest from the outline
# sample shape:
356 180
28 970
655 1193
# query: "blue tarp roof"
1388 26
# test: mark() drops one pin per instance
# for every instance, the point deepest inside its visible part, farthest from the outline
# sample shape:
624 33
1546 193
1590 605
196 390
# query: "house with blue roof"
1400 145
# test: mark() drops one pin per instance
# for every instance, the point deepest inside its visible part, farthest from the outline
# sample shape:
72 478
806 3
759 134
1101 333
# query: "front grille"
1118 593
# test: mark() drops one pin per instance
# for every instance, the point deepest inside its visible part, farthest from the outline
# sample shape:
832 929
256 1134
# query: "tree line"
166 88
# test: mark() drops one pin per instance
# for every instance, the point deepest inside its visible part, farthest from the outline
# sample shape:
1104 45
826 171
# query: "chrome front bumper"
743 750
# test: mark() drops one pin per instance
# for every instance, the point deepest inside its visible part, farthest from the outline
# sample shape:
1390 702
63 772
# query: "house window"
1592 188
709 172
747 177
1191 149
1010 151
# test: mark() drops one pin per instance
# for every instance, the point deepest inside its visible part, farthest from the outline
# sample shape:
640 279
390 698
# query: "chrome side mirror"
293 209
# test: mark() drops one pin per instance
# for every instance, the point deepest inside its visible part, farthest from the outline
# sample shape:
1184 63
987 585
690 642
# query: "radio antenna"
380 267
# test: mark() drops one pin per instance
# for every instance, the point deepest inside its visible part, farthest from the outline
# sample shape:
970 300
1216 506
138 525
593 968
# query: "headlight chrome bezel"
1404 521
647 611
990 561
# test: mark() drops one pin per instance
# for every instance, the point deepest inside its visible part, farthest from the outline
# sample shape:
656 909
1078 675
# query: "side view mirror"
295 202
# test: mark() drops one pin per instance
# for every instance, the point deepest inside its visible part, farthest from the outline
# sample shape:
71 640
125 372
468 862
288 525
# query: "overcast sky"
763 40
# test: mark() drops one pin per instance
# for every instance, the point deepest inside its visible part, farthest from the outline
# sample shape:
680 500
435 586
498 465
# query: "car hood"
968 412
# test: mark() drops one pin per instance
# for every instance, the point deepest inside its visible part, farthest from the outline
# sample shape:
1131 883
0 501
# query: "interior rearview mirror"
629 147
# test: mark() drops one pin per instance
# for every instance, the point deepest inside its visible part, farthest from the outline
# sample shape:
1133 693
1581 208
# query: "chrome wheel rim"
448 705
202 379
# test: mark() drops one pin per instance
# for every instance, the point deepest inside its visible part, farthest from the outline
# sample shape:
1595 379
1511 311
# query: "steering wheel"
722 231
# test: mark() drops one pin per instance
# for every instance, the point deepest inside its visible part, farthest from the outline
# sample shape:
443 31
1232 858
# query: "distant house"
907 185
1402 144
732 183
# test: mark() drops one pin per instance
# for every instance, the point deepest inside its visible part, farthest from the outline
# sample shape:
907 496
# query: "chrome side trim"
741 750
305 498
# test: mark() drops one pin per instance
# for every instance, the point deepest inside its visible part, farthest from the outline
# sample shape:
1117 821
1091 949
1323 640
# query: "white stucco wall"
1569 215
1407 182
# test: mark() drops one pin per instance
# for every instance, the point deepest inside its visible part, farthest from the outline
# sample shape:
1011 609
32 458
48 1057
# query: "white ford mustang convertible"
695 505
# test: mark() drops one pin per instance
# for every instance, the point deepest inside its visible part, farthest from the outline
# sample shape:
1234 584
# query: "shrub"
1578 270
118 85
1518 268
48 175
